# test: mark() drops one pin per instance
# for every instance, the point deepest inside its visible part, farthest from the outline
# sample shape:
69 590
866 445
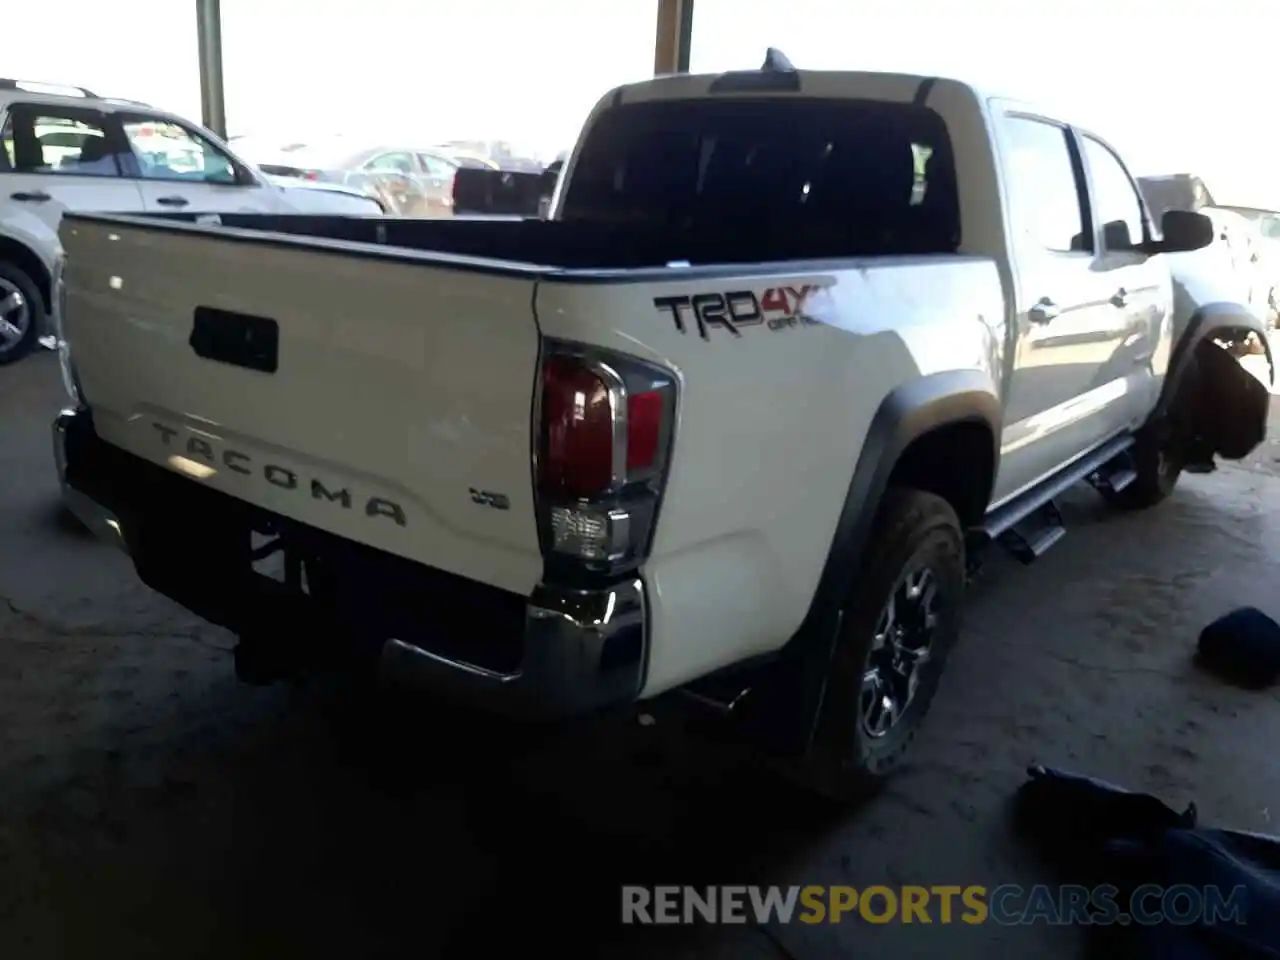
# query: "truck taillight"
603 440
578 456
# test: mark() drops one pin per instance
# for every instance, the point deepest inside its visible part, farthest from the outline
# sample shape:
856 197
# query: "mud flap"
1228 404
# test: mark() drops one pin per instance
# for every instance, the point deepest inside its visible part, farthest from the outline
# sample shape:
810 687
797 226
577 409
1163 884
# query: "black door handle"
172 201
32 196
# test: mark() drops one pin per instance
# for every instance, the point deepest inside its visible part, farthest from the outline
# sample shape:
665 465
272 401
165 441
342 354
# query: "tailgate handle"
238 339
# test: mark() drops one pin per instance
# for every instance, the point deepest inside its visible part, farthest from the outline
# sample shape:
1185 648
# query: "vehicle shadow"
62 522
335 822
567 816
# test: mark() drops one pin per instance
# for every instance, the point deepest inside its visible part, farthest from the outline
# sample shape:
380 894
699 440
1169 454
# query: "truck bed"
547 244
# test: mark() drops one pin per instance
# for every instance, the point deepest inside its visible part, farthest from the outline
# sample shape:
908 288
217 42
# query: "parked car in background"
338 199
469 161
1253 270
1267 221
1174 191
410 181
1267 224
67 149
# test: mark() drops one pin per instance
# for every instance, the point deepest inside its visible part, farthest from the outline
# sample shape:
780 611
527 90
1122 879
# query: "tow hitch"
295 635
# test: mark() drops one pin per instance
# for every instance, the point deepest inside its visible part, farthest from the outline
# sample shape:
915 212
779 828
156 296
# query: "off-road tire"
1158 467
913 530
1163 448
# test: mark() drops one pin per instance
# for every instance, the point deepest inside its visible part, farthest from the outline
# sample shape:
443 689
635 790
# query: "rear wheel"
21 313
1158 465
898 625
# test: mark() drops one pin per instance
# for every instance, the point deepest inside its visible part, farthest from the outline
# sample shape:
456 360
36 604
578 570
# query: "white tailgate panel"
403 384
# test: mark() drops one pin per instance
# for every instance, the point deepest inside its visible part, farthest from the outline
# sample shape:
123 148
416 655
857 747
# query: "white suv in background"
64 148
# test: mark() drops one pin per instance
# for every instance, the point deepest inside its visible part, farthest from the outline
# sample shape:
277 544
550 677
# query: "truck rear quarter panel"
771 421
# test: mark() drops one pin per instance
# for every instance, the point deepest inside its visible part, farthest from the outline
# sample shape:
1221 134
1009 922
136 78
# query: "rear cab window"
796 177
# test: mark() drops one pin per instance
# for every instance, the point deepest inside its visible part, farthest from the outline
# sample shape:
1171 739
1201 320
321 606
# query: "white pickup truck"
791 348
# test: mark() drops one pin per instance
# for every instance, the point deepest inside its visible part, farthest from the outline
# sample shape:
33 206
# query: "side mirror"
1183 231
1115 236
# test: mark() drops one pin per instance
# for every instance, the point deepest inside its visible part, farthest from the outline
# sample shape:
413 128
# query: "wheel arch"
914 428
22 256
1208 321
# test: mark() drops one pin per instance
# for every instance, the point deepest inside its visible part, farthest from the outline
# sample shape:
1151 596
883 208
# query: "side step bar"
1030 539
1030 524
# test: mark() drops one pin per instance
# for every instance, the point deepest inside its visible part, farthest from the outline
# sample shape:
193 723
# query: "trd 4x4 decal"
776 308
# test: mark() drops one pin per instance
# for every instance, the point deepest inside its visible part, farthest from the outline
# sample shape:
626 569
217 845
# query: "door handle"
31 196
172 201
1120 298
1043 311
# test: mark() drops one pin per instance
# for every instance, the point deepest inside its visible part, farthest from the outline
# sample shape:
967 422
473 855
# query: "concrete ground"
150 806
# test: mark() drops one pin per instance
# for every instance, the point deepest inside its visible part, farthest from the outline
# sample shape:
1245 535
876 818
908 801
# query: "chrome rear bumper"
581 649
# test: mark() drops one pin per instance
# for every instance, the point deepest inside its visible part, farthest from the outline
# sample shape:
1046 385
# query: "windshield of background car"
869 176
438 166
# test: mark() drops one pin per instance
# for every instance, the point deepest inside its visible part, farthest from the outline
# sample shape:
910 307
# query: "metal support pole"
213 107
675 32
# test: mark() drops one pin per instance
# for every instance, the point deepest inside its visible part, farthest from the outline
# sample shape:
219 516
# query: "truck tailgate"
382 399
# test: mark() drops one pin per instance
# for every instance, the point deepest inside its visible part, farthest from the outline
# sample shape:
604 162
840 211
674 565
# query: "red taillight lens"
644 429
310 175
606 422
578 430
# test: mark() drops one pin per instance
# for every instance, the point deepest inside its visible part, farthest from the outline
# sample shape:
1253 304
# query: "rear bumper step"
556 653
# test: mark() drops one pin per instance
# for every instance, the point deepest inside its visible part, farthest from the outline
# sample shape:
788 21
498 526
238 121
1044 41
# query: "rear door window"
1047 198
58 140
812 177
1115 199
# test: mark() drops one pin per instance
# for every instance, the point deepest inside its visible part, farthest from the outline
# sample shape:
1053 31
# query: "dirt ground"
150 806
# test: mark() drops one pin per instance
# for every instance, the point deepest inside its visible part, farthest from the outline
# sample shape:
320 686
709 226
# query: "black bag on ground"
1242 646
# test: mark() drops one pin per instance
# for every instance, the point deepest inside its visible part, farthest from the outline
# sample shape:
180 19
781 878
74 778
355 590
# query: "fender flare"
786 714
1208 318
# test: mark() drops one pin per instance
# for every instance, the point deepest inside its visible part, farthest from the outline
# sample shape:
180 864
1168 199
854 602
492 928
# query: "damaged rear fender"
1210 398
